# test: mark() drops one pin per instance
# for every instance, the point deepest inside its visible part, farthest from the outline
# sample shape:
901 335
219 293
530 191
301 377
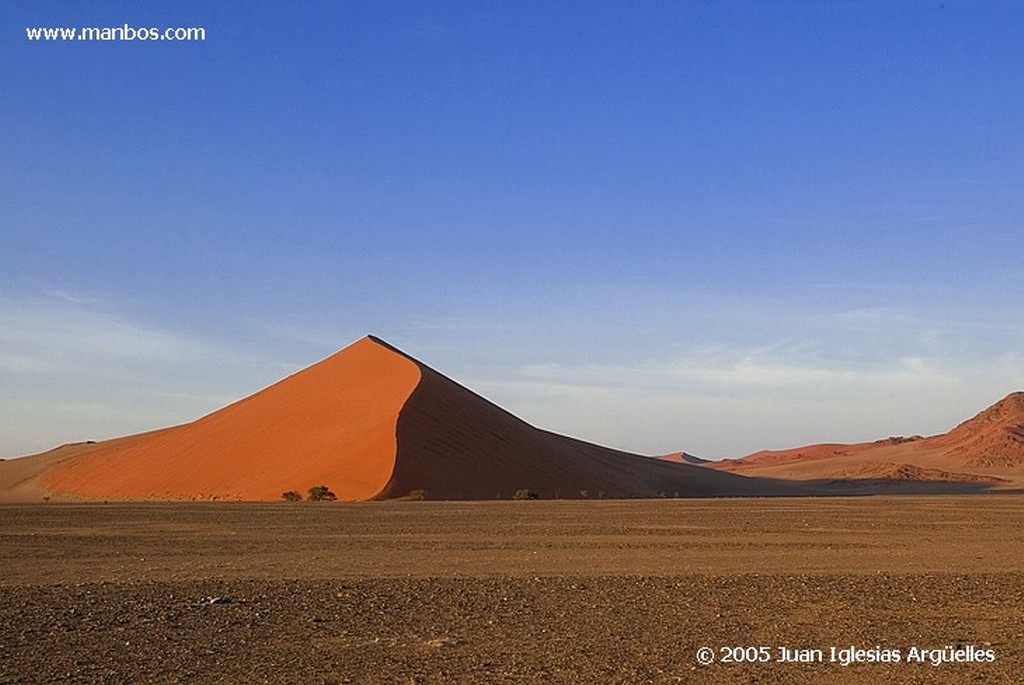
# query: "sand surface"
508 592
331 424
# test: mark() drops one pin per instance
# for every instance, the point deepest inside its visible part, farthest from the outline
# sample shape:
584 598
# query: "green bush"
321 493
526 493
291 496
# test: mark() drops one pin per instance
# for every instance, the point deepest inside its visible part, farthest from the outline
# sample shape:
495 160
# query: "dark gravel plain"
508 592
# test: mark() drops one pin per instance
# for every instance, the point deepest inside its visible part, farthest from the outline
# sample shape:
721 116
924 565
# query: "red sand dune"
992 439
988 448
370 423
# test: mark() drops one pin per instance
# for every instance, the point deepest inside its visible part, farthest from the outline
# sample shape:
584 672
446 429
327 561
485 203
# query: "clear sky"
703 226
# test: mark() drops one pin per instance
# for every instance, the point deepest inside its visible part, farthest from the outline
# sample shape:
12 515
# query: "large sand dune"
370 423
987 449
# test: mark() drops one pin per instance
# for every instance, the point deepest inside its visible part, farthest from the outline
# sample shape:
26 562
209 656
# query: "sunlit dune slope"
332 423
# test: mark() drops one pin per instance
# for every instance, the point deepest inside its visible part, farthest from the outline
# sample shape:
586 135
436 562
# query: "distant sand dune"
988 448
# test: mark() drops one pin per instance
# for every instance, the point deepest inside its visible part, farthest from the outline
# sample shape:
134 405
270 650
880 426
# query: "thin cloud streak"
722 408
73 369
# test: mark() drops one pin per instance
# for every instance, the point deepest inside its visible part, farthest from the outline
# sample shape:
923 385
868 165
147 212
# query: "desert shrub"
526 493
291 496
417 495
321 493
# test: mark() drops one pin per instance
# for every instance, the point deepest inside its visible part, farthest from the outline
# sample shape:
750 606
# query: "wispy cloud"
730 401
733 410
61 333
74 298
726 375
72 367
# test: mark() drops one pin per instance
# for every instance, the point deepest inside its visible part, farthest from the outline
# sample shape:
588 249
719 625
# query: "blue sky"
701 226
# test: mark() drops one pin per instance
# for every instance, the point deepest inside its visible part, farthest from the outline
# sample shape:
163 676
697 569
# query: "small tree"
321 493
291 496
526 493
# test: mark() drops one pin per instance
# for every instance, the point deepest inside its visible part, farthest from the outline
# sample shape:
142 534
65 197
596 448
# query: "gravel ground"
80 620
503 630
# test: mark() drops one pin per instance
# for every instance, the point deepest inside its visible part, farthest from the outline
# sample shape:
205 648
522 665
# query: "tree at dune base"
321 493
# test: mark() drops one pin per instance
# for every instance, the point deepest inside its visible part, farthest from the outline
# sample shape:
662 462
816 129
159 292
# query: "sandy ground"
512 592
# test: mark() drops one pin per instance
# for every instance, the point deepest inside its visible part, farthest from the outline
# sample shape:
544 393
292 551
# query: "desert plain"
623 591
170 557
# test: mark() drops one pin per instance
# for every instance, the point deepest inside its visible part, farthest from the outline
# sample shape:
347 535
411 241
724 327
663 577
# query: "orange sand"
332 424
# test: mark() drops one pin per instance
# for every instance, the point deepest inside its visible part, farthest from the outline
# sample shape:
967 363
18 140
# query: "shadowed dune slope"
454 444
332 423
988 448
